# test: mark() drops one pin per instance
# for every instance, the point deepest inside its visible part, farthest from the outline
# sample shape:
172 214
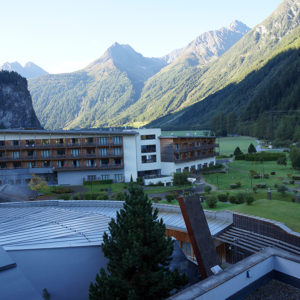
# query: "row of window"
60 152
117 177
62 163
117 140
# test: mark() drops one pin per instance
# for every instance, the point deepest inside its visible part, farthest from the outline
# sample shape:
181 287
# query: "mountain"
106 91
16 109
95 95
30 70
260 72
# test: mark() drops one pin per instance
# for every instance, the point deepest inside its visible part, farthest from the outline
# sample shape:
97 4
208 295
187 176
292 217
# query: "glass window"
75 152
45 142
90 163
148 137
61 152
90 151
103 140
45 153
75 141
104 162
178 170
118 177
75 163
89 140
148 148
15 143
2 143
30 153
117 151
103 152
60 141
104 177
2 165
46 163
148 159
61 163
117 161
31 164
91 177
16 154
117 140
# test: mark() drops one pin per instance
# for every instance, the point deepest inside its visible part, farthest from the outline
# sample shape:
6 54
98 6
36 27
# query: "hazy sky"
66 35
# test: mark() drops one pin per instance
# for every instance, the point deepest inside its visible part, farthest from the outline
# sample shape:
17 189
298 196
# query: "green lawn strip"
239 172
114 187
228 144
161 189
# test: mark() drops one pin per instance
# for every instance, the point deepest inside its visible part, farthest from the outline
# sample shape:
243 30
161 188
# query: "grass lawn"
228 144
114 187
161 189
239 172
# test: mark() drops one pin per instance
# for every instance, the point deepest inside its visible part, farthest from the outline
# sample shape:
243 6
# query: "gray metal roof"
58 223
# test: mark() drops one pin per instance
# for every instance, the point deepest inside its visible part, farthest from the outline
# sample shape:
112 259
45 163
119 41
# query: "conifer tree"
251 149
237 151
139 254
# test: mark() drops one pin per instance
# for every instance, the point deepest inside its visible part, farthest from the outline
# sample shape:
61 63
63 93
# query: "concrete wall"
165 180
76 177
148 166
130 157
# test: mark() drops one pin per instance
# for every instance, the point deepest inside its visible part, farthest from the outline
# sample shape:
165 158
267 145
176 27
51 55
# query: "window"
75 141
148 148
178 170
61 163
46 163
103 140
117 161
118 177
2 143
199 167
117 140
61 152
104 162
30 153
198 143
91 177
30 164
104 177
15 143
117 151
148 137
75 152
75 163
177 146
90 163
90 151
60 141
103 152
17 164
2 153
186 248
89 140
2 165
16 154
45 142
148 159
30 143
45 153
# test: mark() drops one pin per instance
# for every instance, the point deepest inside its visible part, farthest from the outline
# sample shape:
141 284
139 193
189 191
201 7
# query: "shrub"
211 201
261 185
232 199
89 196
140 181
251 149
233 186
281 160
103 190
240 198
266 175
76 196
223 197
101 196
238 184
254 189
90 182
292 181
253 173
207 189
296 177
63 197
237 152
282 189
273 173
249 199
256 177
156 199
180 179
261 156
170 197
120 196
276 185
61 190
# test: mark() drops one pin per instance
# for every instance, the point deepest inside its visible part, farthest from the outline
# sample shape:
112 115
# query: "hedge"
261 156
90 182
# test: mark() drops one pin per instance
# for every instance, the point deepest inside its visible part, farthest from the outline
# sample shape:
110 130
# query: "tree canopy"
139 254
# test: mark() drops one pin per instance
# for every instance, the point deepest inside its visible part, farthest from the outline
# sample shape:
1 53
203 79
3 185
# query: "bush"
273 173
296 177
156 199
249 199
232 199
77 196
63 197
223 197
211 201
91 182
261 185
101 196
261 156
295 157
234 186
140 181
254 189
237 152
266 176
89 196
120 196
207 189
292 181
281 160
251 149
282 189
253 173
61 190
170 197
103 190
238 184
276 185
240 198
180 179
256 177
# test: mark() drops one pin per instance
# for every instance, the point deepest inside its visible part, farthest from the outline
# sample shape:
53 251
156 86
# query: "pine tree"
237 151
251 149
139 254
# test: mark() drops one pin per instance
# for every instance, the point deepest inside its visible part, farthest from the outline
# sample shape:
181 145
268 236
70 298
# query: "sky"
66 35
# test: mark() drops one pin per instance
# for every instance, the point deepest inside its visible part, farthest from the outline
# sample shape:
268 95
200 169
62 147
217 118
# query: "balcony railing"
195 148
79 168
195 157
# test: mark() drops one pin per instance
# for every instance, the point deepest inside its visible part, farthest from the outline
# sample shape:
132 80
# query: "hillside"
16 109
104 93
96 94
30 70
257 74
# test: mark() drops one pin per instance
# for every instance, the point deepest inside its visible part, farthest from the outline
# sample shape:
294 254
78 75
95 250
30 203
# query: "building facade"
71 157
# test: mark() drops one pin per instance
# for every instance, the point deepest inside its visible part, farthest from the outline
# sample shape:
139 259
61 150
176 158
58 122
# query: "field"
228 144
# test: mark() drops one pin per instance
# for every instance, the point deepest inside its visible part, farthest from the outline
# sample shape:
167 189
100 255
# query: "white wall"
164 180
130 157
148 166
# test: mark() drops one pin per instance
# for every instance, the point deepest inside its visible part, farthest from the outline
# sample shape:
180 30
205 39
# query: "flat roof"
186 134
73 132
59 223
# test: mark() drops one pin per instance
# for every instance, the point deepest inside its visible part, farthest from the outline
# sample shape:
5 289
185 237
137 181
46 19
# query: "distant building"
70 157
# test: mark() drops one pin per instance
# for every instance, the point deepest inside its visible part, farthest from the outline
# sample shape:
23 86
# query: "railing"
195 157
103 167
195 148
